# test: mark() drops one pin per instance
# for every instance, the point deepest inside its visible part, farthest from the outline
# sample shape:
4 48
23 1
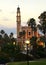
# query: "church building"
28 30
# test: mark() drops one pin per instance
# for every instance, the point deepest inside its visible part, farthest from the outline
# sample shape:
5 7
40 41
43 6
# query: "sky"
29 9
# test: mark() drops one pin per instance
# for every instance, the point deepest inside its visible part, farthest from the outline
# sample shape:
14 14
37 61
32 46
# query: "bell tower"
18 22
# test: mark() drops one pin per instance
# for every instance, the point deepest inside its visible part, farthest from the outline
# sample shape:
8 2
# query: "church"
27 29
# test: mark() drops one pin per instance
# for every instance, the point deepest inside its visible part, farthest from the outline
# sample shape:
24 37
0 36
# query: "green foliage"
4 58
0 37
42 38
42 18
8 49
33 40
32 22
2 31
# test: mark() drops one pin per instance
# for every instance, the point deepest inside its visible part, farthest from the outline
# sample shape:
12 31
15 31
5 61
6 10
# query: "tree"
11 50
6 38
32 22
0 37
42 17
44 27
42 21
41 46
34 45
11 35
2 31
39 26
8 49
33 41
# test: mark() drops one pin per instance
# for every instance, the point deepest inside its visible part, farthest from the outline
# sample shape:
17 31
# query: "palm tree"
6 38
11 35
32 24
2 33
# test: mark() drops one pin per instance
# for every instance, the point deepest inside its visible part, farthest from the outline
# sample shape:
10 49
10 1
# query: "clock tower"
18 22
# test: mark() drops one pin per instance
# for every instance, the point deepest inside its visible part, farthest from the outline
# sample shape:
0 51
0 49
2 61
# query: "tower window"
18 14
29 33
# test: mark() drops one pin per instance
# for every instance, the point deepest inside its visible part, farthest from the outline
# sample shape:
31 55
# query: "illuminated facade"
28 30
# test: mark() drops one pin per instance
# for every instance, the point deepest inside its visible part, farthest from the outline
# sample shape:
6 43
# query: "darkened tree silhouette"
42 21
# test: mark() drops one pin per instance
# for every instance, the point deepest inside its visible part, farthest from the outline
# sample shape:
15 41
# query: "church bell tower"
18 22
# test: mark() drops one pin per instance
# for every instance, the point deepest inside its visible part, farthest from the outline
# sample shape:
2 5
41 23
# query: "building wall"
28 32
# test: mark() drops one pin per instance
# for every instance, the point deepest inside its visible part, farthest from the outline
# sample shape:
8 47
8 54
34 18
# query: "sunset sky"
29 9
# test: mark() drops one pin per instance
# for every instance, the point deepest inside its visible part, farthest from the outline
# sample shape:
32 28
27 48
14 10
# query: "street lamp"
13 43
27 43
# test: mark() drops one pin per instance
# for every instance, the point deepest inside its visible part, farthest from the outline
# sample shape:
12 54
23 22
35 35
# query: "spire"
18 9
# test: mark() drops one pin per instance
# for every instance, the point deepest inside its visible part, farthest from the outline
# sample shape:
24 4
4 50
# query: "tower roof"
18 8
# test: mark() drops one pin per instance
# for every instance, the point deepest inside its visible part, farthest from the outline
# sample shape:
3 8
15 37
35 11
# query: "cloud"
5 19
0 10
